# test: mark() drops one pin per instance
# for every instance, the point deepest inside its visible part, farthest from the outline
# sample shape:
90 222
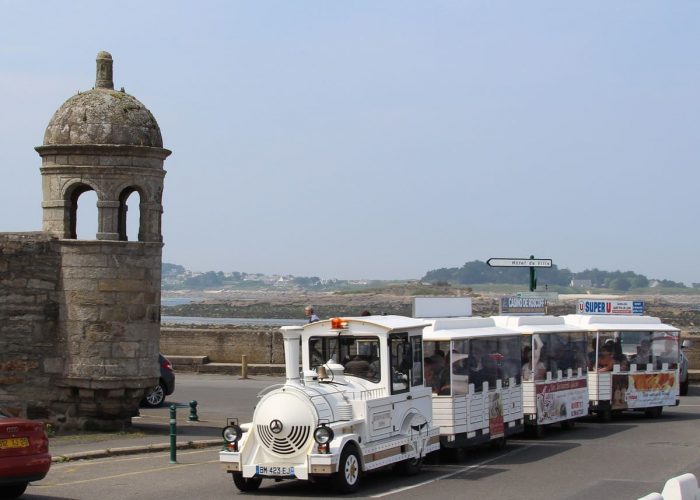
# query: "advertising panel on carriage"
643 390
496 425
561 400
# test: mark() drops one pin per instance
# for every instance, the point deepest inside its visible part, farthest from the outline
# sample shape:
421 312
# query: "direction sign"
519 262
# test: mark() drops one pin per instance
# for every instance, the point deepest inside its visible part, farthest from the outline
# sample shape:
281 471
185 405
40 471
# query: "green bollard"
173 435
193 412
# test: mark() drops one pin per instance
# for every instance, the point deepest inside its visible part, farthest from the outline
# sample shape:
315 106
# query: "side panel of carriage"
558 399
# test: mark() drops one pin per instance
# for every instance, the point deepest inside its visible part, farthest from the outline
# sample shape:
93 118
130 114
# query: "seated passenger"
605 359
618 357
358 367
643 355
475 372
668 356
591 354
436 376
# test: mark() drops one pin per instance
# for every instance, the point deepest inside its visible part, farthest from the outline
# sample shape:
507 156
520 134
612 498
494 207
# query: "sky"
383 139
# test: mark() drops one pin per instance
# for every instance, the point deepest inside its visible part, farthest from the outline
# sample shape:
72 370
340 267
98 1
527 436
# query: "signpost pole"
533 279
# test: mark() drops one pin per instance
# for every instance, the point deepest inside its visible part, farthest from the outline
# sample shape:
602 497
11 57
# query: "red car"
24 454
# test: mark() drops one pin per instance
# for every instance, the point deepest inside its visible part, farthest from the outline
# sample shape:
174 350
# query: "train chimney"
291 335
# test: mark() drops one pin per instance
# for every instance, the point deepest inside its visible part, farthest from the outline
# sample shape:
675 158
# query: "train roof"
529 324
368 324
461 328
602 322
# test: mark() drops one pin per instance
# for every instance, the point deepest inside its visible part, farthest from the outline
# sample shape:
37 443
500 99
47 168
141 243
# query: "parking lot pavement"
218 398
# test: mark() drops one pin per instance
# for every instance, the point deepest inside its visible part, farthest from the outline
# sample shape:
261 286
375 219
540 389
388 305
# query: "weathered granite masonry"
29 305
80 319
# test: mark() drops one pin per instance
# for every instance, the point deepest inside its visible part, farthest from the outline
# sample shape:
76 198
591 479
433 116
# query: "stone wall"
79 328
29 310
225 345
693 352
110 322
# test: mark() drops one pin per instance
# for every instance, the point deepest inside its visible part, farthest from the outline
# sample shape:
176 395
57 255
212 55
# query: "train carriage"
358 404
634 362
554 369
473 369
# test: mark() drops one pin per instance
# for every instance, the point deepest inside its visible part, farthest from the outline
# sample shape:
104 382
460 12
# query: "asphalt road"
626 458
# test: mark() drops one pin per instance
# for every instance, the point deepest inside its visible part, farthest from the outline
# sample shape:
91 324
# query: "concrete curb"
133 450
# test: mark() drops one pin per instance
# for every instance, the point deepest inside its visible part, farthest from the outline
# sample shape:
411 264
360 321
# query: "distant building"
581 283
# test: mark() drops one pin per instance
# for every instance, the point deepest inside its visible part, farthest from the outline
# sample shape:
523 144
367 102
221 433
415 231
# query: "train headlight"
323 434
232 433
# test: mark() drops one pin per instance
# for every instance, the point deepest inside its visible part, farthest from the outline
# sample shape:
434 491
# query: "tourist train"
378 391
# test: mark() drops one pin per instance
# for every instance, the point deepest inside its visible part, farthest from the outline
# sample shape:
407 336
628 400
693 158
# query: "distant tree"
671 284
206 280
306 281
476 272
696 285
172 269
621 284
640 281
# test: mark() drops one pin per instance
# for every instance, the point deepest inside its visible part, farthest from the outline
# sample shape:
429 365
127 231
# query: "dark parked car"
166 385
683 378
24 454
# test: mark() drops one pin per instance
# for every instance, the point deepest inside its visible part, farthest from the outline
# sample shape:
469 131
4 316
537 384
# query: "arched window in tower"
130 215
83 212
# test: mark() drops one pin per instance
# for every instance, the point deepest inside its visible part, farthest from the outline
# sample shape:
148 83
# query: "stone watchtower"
108 288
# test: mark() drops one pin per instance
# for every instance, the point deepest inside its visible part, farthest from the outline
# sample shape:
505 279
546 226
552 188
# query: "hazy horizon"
385 139
405 278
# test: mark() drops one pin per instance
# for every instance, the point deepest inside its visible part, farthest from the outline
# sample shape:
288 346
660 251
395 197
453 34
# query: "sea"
196 320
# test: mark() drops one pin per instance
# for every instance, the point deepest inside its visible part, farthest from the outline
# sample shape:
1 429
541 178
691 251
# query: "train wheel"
568 424
409 467
538 431
654 412
347 479
246 483
499 443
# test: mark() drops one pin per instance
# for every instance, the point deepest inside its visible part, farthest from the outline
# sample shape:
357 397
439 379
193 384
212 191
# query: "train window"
509 361
564 351
638 348
436 361
460 367
533 367
358 355
417 365
399 362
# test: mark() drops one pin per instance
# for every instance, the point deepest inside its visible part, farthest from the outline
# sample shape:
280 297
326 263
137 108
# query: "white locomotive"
359 404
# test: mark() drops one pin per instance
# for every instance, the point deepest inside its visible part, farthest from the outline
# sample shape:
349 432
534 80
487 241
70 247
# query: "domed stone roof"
103 116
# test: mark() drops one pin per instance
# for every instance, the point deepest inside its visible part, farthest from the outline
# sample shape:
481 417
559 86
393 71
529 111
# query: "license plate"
13 443
274 470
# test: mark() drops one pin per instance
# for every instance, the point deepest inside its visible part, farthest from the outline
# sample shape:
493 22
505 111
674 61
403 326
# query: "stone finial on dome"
104 79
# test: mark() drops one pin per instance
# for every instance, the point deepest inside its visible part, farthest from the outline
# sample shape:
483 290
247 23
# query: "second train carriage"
473 368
